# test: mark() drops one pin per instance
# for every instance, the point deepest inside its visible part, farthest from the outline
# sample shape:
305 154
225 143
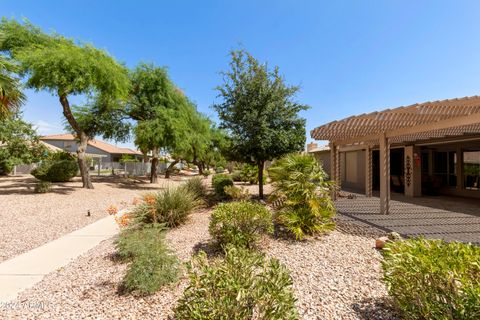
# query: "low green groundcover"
433 279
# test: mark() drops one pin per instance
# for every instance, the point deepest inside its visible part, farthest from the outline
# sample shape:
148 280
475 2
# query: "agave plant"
301 188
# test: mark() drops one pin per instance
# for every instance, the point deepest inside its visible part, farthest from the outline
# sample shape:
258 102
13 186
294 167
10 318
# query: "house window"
471 170
445 168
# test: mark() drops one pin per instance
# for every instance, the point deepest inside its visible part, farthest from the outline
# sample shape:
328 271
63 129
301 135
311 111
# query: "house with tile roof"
101 149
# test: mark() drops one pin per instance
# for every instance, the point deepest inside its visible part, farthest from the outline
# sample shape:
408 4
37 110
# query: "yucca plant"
301 188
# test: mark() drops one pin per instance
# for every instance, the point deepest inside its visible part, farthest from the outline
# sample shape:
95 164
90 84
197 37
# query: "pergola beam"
384 174
427 130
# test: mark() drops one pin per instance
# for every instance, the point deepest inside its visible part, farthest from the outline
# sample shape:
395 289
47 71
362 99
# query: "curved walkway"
25 270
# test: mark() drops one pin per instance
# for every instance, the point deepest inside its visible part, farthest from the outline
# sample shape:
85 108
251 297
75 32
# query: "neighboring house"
105 151
425 148
322 154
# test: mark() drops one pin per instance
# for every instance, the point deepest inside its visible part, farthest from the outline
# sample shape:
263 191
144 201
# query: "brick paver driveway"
448 218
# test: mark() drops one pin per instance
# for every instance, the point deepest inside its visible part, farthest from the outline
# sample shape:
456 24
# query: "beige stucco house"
427 148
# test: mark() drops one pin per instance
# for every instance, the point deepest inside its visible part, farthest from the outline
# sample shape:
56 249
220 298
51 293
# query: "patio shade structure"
404 125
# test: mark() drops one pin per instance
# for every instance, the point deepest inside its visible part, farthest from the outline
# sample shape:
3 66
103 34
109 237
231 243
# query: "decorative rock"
394 236
380 242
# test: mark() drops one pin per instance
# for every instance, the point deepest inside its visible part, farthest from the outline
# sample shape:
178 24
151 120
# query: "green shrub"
219 182
244 286
170 207
219 169
43 187
206 173
236 193
152 264
196 187
240 223
237 176
249 173
58 167
306 205
6 166
432 279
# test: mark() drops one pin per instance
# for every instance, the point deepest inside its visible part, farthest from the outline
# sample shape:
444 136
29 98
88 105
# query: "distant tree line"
259 119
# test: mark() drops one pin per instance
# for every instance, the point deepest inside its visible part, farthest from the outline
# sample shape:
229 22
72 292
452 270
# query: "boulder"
380 242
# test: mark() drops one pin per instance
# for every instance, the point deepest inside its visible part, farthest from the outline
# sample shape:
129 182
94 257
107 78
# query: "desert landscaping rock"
28 219
336 276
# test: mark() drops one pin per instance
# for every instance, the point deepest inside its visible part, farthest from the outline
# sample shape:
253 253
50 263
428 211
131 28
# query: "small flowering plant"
112 209
124 220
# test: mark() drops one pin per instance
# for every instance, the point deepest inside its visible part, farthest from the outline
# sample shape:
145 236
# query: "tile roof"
94 143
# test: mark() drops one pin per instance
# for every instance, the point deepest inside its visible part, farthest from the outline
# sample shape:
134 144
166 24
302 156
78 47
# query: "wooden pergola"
404 125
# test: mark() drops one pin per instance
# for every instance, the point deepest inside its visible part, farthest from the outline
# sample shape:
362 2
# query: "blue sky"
349 57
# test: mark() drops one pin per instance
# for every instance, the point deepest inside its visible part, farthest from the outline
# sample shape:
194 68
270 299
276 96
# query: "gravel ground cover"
336 276
28 219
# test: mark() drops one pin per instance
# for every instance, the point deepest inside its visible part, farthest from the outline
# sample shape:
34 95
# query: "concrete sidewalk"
23 271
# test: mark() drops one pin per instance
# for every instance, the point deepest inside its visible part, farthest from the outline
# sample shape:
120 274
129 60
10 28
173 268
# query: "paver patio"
447 218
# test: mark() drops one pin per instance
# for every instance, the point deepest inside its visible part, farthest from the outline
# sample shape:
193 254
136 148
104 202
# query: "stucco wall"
352 167
72 147
323 157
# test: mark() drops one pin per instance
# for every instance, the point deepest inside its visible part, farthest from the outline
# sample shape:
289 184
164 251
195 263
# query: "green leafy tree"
198 141
19 144
157 106
65 68
218 146
259 113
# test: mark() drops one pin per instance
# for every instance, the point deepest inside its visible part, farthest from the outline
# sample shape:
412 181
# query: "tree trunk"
261 164
169 169
153 169
199 165
82 161
67 112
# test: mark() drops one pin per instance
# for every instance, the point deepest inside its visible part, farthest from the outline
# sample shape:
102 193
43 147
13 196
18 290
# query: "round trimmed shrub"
219 182
43 187
56 171
240 224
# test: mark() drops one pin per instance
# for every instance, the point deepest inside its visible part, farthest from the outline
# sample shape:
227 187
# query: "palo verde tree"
158 108
65 68
198 138
259 113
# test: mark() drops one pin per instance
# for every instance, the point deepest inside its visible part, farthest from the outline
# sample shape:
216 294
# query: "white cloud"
44 128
